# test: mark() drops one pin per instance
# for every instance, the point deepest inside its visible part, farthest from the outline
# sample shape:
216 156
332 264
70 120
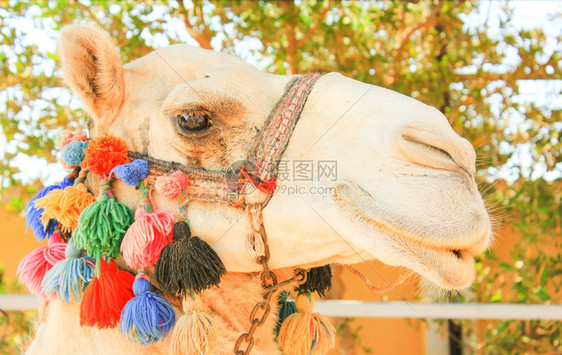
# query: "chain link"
269 284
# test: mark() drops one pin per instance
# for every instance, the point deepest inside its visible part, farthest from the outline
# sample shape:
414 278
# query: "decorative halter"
184 265
261 168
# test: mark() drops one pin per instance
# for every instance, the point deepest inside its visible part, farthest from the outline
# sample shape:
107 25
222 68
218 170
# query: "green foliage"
430 50
352 335
532 274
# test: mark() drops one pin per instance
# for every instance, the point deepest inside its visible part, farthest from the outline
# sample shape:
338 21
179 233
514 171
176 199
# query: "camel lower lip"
447 261
448 268
451 269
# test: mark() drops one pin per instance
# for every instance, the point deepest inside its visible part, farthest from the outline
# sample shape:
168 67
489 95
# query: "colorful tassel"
151 231
102 226
306 332
148 317
286 308
70 136
106 296
69 278
66 205
146 238
33 214
318 279
34 266
194 333
172 187
133 173
104 154
187 263
73 153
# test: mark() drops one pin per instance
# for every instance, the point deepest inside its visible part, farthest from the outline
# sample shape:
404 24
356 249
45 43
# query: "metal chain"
269 283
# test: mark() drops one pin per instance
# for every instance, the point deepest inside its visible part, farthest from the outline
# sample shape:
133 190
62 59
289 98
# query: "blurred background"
492 67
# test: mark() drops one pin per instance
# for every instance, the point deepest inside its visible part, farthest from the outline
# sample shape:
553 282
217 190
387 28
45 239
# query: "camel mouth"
449 265
452 269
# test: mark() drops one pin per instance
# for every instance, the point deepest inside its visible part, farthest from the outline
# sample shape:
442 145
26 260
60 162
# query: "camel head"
368 173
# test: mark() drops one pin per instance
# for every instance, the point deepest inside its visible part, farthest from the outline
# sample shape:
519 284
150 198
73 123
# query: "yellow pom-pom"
305 332
65 206
193 333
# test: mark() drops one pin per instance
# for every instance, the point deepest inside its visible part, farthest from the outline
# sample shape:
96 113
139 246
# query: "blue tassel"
33 215
286 308
73 153
133 172
70 277
148 317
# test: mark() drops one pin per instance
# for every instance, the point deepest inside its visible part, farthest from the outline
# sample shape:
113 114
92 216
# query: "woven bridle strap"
227 186
204 185
279 127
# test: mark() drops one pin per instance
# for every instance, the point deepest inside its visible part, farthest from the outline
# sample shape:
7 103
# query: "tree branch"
204 39
292 44
431 20
90 12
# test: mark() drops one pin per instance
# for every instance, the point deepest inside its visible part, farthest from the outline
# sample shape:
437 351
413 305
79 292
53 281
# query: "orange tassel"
65 206
306 332
105 153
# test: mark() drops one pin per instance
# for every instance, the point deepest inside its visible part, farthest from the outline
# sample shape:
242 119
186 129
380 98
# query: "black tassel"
318 279
187 263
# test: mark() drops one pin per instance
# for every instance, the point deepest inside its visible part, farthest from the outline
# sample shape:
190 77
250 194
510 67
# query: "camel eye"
192 123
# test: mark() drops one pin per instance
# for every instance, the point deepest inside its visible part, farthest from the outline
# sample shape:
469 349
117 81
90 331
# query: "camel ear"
93 70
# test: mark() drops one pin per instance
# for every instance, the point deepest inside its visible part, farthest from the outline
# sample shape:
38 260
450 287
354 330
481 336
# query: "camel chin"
442 253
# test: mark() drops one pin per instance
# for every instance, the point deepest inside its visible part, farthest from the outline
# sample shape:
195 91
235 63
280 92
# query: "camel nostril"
430 148
444 151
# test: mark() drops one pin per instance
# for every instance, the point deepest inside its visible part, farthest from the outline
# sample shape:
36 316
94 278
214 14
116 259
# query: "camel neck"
229 307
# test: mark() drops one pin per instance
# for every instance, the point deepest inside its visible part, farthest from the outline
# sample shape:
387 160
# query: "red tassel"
106 296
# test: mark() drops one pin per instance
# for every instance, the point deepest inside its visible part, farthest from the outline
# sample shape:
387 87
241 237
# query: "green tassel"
286 308
102 226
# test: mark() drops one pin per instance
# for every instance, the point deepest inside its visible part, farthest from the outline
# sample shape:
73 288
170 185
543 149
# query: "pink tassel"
171 187
34 266
181 178
70 136
146 238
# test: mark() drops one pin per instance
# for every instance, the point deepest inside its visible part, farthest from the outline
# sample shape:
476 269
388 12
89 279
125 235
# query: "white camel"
404 194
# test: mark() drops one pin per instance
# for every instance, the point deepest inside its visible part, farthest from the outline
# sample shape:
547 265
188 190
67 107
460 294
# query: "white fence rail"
364 309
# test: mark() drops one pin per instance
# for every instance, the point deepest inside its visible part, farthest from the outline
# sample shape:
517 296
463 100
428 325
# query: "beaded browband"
261 167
